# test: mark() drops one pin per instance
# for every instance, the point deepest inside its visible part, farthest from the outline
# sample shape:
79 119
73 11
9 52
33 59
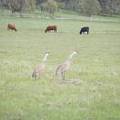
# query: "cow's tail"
55 28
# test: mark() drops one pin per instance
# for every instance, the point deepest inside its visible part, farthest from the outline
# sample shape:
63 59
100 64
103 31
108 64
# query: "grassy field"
96 96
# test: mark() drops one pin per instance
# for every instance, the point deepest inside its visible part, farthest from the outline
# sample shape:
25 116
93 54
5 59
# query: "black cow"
84 29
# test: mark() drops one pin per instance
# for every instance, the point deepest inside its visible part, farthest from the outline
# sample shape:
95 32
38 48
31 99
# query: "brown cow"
11 27
51 28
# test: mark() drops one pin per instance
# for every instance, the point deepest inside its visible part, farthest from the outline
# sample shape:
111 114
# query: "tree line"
83 7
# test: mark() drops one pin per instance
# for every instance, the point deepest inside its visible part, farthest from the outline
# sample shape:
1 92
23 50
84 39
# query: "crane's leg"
38 75
34 75
63 75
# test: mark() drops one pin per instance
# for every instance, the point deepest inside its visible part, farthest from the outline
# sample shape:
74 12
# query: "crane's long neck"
45 57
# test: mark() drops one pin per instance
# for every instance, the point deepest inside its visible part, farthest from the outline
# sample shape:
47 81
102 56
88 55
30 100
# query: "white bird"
62 68
40 69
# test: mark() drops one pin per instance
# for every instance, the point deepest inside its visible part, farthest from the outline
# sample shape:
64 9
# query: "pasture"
95 95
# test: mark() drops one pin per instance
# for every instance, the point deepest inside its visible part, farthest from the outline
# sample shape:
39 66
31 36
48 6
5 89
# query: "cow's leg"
88 32
80 32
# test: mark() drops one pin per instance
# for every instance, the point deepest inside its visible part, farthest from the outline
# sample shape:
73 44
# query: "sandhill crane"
40 69
62 68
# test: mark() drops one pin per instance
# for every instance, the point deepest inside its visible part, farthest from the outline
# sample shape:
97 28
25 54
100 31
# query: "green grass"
96 67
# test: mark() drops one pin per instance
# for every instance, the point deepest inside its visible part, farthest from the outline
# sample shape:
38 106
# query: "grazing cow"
11 27
51 28
84 29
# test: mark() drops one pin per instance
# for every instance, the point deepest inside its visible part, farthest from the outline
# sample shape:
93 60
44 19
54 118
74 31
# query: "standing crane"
40 68
64 67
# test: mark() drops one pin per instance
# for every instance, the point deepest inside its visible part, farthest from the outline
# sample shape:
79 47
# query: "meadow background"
96 95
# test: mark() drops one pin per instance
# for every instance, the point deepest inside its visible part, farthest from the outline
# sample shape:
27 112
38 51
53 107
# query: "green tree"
31 5
50 6
18 5
90 7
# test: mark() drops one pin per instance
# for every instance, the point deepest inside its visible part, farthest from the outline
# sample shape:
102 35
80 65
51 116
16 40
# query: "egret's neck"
45 58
